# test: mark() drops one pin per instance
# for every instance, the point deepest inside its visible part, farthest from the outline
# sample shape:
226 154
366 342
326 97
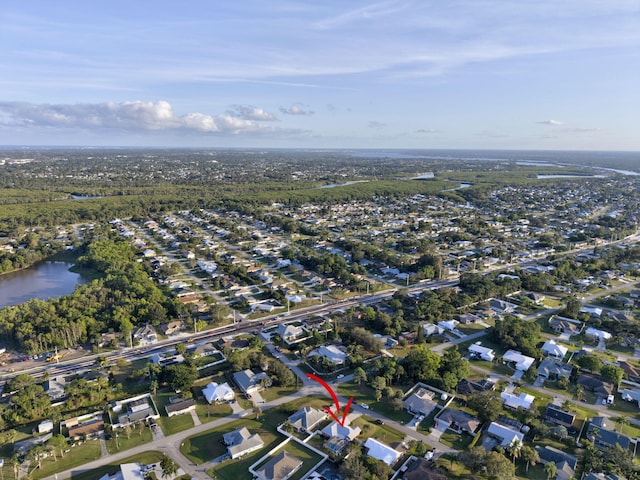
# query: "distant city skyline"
543 75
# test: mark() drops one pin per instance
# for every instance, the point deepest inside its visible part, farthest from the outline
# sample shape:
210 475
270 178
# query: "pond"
44 280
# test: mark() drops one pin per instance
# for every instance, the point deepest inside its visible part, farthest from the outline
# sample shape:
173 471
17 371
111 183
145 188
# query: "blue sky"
518 74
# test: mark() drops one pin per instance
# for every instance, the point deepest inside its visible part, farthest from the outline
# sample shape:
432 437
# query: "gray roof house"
306 419
248 381
281 467
241 442
420 401
603 436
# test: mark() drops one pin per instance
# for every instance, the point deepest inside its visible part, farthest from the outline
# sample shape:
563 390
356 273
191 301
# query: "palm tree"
15 463
579 392
530 456
514 450
621 422
550 469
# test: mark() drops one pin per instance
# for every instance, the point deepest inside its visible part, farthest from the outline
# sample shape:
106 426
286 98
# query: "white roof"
551 347
506 434
522 361
479 349
449 324
594 332
380 451
523 400
131 471
215 393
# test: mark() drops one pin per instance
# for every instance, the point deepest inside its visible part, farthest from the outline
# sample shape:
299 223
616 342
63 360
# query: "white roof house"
523 400
380 451
331 352
600 334
218 392
552 349
449 324
520 361
481 352
505 435
334 429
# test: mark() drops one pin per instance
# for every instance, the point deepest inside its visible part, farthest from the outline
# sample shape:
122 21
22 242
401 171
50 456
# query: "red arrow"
335 400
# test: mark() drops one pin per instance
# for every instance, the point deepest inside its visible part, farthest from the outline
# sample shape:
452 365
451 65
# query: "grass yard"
273 393
207 413
206 446
146 458
121 442
384 433
451 468
365 394
456 441
175 424
535 472
79 455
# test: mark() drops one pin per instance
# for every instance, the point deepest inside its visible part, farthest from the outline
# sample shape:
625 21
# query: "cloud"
134 116
582 130
550 122
296 110
249 112
427 130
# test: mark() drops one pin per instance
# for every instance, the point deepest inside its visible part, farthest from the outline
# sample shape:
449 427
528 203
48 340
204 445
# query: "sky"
476 74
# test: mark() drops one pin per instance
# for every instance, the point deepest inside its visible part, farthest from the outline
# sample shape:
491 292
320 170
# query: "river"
44 280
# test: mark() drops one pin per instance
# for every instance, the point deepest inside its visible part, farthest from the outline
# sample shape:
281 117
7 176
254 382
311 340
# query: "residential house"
171 328
145 335
84 426
250 382
448 325
305 419
291 333
468 387
178 406
214 393
632 372
479 352
241 442
281 467
432 329
457 420
380 451
387 340
344 432
502 307
517 360
331 352
128 471
596 385
54 387
603 436
467 318
552 369
553 350
556 414
420 402
597 334
565 325
602 476
514 402
45 426
565 463
505 435
135 409
109 339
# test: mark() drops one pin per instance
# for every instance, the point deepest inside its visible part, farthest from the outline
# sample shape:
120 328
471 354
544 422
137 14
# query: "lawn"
535 472
207 413
206 446
456 441
79 455
384 433
121 442
175 424
146 458
365 394
273 393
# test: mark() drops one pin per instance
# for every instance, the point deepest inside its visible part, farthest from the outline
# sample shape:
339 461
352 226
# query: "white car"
365 406
340 376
